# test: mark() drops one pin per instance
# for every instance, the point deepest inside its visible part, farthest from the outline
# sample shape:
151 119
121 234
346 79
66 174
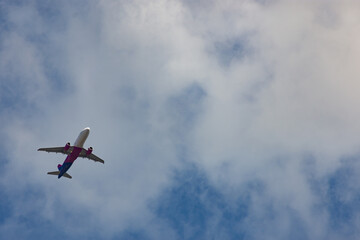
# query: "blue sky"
216 119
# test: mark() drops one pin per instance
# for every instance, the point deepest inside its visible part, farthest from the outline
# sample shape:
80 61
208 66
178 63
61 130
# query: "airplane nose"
87 129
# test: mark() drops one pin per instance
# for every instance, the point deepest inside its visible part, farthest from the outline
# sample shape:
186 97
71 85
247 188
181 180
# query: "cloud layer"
216 119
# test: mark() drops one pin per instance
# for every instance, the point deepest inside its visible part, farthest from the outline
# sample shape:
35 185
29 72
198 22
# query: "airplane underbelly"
64 168
73 155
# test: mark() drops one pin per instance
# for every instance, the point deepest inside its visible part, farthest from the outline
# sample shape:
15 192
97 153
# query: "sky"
232 119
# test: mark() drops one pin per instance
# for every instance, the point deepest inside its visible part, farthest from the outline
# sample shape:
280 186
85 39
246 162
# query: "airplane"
73 152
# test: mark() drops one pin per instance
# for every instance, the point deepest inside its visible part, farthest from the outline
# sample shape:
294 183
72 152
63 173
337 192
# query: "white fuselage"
79 142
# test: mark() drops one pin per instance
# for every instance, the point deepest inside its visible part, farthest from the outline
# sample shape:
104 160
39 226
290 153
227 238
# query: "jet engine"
89 151
67 146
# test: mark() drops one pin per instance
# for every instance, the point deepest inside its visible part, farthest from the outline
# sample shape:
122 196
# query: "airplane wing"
56 150
90 156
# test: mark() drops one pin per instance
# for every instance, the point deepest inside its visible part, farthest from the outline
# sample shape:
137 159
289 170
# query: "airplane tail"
58 172
67 175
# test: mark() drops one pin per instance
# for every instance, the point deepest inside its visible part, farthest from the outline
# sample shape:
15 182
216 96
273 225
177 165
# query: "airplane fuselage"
78 145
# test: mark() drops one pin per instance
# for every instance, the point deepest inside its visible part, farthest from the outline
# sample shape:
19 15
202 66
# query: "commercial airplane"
73 153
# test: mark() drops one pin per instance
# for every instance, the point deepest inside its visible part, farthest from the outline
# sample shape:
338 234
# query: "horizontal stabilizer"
67 175
58 172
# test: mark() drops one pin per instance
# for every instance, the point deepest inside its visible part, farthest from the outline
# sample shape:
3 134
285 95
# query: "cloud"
223 119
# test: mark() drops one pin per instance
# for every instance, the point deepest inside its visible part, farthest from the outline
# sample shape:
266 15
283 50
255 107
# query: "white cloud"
290 90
